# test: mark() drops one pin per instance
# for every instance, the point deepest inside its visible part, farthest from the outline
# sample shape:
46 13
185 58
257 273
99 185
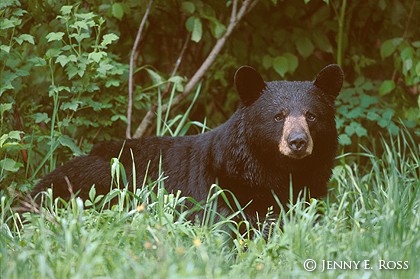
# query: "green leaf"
119 116
355 113
72 58
388 114
350 130
217 29
104 67
3 139
71 71
305 47
85 16
56 89
386 87
412 115
79 37
81 24
321 41
383 123
9 23
359 81
12 135
189 24
367 86
68 142
55 36
18 12
366 101
197 31
388 47
5 48
407 53
7 79
373 116
73 105
344 139
18 40
22 72
77 69
92 193
178 82
112 82
62 59
5 107
6 3
38 61
53 52
10 165
267 61
117 10
361 131
193 25
188 7
15 135
418 69
41 117
96 56
65 10
292 61
25 37
393 129
281 65
97 106
108 39
407 65
157 79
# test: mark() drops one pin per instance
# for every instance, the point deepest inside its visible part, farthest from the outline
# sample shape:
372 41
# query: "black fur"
242 154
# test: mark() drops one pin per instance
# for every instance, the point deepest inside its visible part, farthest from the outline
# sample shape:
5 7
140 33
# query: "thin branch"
147 120
407 24
175 70
130 77
181 55
410 16
247 5
233 13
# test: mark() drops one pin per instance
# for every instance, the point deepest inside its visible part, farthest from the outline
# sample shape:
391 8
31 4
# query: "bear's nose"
297 142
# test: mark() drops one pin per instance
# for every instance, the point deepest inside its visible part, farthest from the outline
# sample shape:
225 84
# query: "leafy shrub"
63 68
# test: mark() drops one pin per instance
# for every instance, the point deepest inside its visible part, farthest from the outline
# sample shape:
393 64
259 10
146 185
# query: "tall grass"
370 214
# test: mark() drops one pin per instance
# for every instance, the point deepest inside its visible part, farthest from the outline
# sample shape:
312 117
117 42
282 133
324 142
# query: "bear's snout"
296 141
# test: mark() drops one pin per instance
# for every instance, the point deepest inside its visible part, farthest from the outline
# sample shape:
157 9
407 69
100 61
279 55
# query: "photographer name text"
325 265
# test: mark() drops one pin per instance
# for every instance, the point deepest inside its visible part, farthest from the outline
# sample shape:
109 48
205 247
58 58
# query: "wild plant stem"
130 77
340 33
55 99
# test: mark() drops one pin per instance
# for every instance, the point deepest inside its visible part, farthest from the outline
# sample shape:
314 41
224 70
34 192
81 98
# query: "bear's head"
292 119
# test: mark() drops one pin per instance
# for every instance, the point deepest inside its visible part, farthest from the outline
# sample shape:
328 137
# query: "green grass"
371 213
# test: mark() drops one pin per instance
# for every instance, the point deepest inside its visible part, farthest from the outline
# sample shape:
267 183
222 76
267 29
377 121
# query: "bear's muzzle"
296 141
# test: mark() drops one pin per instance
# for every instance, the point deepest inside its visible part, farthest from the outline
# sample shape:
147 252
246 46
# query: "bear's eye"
310 116
280 117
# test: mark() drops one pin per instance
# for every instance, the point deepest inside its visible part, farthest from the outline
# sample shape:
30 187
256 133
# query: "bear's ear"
249 84
330 79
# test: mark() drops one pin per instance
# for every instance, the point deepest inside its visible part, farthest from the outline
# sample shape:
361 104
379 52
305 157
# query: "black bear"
282 130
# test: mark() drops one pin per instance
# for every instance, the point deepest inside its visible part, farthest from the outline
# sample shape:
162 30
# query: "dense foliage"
64 78
369 217
64 69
